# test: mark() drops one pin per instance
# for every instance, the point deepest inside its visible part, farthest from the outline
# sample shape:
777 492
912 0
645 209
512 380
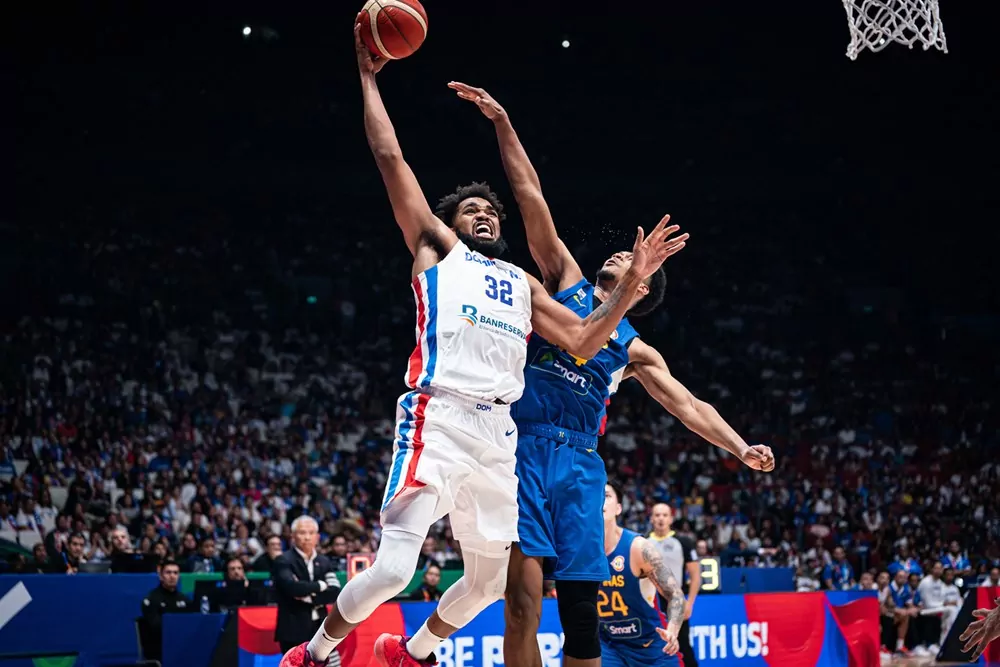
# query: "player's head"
474 211
662 518
612 502
649 293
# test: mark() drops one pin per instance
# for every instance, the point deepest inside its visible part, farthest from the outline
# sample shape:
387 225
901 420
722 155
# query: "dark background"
745 118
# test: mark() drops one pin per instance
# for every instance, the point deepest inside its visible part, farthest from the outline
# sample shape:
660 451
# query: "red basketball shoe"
390 651
299 657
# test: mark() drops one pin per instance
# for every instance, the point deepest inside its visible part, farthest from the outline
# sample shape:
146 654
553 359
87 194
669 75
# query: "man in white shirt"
932 592
952 602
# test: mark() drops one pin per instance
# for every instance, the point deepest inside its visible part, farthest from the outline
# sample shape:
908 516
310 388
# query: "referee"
678 553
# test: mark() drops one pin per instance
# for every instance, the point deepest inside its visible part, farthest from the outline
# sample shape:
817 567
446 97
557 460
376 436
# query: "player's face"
615 267
477 223
612 508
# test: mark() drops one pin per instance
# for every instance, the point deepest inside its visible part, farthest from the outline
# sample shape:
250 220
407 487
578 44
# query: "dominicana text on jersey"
473 322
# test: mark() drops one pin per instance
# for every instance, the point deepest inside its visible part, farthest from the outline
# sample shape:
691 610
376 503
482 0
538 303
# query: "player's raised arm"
559 269
409 205
651 565
585 337
648 366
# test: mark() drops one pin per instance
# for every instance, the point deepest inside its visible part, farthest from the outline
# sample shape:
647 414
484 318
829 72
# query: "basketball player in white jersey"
455 440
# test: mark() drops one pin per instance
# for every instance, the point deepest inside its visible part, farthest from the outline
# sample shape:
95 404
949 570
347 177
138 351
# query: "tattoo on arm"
665 583
605 308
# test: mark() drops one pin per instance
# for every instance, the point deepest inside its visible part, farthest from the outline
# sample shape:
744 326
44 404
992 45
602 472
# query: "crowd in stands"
190 394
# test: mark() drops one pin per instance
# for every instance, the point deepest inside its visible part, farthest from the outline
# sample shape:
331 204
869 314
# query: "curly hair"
447 207
657 290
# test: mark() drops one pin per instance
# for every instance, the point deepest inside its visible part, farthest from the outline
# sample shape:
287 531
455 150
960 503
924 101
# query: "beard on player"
489 247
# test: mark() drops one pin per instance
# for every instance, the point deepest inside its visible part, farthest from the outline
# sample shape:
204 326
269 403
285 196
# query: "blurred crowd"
190 392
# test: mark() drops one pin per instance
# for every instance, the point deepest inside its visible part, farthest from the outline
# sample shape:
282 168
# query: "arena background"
177 183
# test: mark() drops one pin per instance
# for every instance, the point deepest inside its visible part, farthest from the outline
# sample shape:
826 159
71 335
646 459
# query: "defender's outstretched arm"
559 269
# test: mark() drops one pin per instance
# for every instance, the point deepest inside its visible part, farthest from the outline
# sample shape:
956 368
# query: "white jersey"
473 321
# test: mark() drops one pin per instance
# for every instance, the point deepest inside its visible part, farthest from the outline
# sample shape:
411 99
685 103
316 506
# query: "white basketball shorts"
453 455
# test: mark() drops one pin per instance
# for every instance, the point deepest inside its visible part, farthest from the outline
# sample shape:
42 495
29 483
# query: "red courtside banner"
984 600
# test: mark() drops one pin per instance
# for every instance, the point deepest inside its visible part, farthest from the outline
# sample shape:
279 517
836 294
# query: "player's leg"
484 521
581 563
425 461
578 615
405 524
523 609
525 580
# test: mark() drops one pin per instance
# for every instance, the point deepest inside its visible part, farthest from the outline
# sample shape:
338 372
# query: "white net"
877 23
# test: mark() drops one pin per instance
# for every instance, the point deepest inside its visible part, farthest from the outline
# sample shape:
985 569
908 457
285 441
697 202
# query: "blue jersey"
627 605
564 391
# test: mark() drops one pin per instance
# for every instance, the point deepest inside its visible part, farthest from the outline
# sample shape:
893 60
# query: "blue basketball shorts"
560 497
618 655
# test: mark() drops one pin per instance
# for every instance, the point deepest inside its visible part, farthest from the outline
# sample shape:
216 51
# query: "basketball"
393 29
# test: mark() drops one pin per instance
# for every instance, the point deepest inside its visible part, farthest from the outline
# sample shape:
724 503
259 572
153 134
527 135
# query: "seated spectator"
428 590
206 560
164 599
838 575
68 560
265 561
39 563
235 590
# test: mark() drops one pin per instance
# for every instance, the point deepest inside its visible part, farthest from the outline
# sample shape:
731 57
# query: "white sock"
423 643
321 645
899 644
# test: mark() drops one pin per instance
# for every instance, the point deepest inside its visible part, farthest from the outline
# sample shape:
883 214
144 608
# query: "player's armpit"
584 337
409 206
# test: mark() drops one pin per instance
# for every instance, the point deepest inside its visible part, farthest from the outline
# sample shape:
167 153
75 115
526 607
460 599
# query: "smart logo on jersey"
469 314
548 361
624 629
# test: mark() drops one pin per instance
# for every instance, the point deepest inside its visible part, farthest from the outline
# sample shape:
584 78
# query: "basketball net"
875 24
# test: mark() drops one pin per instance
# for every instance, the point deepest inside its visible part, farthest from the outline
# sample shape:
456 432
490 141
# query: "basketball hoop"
875 24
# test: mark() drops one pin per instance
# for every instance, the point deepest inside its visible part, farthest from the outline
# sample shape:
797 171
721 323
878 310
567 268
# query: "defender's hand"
367 63
759 457
669 635
481 99
648 254
980 633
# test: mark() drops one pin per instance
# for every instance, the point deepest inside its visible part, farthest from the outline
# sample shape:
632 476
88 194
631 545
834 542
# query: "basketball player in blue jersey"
560 416
631 623
454 451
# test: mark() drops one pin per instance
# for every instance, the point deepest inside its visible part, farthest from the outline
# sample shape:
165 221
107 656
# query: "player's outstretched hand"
367 63
669 635
759 457
980 633
649 253
481 99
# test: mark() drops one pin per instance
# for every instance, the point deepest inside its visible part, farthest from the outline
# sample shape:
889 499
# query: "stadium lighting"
565 43
246 31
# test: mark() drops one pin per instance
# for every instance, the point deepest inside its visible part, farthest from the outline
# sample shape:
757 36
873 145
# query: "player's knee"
396 562
578 615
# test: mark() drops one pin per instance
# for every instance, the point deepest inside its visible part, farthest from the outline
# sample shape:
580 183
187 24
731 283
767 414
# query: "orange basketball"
393 29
